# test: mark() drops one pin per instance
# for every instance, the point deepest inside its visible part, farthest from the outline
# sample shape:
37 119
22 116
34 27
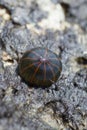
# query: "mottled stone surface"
57 25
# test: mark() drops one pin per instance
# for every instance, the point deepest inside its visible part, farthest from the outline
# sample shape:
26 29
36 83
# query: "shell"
40 67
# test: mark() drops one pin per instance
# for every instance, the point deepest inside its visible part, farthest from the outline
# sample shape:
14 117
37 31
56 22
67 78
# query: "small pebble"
6 17
2 12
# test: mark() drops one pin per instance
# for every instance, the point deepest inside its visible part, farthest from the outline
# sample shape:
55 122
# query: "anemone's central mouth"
42 59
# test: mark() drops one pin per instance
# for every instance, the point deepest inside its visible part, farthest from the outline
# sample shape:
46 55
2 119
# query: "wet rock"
30 100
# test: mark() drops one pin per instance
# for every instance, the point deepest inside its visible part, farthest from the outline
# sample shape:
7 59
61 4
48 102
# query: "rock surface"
57 25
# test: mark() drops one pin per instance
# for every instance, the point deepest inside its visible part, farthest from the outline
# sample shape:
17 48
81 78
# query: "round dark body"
40 67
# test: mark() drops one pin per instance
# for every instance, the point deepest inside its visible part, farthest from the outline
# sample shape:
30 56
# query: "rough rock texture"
61 26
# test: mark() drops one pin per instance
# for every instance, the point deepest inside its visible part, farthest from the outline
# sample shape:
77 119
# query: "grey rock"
73 3
80 12
11 38
23 16
27 16
80 80
11 4
65 102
